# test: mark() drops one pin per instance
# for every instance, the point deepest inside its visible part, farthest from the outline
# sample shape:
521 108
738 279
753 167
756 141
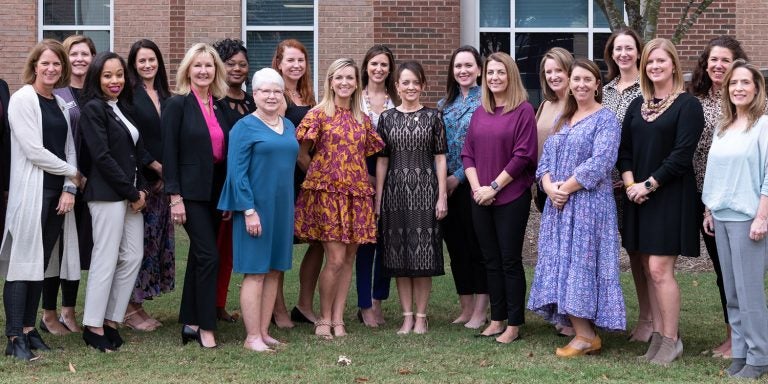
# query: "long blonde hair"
646 85
327 104
756 106
515 93
218 87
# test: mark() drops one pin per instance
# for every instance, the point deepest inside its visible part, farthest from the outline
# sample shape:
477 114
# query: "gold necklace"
271 125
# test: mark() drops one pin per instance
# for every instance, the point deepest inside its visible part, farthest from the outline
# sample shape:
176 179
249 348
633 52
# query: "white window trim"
41 28
471 30
297 28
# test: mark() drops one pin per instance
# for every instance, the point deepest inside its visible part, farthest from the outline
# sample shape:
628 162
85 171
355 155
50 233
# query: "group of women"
611 161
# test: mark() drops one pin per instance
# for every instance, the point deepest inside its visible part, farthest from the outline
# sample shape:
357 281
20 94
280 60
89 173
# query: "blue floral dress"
578 263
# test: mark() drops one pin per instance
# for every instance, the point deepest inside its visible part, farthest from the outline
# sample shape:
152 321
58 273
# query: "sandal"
134 321
321 331
144 315
343 329
403 330
426 324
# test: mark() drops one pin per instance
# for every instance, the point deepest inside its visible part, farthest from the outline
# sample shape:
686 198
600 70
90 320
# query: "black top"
295 113
668 222
150 128
5 138
54 137
233 108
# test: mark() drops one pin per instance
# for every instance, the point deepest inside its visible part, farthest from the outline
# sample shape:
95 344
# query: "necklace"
271 125
371 113
411 114
651 110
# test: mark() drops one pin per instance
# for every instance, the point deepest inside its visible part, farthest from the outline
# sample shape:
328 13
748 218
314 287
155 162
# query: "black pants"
501 231
711 245
467 264
198 299
21 298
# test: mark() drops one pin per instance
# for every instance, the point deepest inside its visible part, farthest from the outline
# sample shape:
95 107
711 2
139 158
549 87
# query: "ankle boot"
36 341
19 348
669 351
736 365
653 347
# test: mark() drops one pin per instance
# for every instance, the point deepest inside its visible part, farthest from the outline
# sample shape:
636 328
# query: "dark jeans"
711 245
21 298
501 231
198 298
367 263
467 265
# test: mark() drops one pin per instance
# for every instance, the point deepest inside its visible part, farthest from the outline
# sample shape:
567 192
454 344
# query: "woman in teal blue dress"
263 149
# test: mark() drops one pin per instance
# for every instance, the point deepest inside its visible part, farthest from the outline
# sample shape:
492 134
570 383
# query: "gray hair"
267 76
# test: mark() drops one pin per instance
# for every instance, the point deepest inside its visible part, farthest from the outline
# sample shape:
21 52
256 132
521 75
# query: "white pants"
118 247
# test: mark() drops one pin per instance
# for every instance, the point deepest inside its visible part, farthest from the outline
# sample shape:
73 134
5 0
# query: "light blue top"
735 176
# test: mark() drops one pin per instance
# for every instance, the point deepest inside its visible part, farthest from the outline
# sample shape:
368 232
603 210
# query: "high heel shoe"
19 348
594 348
426 324
113 336
99 342
403 330
36 341
187 334
297 316
45 329
324 333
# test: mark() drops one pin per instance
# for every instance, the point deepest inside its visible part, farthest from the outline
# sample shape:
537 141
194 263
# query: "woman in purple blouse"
499 159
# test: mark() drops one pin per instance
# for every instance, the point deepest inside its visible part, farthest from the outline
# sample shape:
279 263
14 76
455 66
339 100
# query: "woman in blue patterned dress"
577 275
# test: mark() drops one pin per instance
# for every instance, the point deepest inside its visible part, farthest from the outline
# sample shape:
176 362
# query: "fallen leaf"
695 283
483 363
72 368
404 371
605 377
361 379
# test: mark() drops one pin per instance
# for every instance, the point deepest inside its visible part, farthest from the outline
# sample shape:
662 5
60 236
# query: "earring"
570 92
596 93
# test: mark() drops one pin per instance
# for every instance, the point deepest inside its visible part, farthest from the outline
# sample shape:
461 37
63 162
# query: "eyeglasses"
276 92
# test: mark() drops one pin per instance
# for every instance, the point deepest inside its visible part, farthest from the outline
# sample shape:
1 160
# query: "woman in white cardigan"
43 181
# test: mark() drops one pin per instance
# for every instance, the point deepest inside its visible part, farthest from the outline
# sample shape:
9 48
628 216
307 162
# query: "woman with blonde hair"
499 159
736 197
195 134
659 134
335 204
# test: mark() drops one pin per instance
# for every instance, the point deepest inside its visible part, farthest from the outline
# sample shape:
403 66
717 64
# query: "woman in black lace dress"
411 195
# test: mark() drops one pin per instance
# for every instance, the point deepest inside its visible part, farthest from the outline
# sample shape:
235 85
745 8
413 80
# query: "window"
62 18
535 26
267 22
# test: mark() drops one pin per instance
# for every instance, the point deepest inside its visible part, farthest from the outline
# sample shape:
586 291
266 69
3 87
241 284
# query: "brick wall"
423 30
152 24
718 19
752 29
18 33
346 29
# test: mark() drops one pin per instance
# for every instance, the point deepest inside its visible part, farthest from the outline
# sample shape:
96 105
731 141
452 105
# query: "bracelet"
176 202
629 185
707 213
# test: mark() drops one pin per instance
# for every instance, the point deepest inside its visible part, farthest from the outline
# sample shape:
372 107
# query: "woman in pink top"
194 166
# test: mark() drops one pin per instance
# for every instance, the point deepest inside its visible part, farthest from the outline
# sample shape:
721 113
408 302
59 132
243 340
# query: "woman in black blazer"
194 167
157 275
116 194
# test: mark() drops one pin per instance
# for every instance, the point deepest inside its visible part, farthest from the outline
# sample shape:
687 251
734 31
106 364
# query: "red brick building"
425 30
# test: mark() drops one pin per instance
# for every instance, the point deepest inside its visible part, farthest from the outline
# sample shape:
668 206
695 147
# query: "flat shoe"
298 317
510 342
479 335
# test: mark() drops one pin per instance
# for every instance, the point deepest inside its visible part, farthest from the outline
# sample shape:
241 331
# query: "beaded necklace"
651 110
368 106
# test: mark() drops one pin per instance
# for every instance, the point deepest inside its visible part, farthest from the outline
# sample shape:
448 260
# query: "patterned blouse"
618 101
456 118
341 145
711 105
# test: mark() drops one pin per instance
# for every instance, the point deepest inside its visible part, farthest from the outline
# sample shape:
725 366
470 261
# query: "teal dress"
258 161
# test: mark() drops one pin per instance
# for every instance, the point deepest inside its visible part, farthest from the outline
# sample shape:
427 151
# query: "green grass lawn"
447 354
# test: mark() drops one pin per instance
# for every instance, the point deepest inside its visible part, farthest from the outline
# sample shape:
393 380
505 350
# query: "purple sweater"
508 142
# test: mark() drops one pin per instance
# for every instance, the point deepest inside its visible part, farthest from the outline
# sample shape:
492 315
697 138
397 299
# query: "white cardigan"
21 253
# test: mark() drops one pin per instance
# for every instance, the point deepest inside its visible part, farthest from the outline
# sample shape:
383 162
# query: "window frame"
286 28
41 27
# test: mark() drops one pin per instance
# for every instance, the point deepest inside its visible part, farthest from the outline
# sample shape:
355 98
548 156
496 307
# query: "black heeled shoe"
36 341
100 342
113 336
188 334
298 317
19 348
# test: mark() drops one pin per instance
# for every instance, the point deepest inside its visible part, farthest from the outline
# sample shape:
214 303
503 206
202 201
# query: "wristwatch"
70 189
249 212
648 185
494 185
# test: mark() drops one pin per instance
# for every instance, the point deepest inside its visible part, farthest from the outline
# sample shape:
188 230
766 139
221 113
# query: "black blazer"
115 161
188 168
150 126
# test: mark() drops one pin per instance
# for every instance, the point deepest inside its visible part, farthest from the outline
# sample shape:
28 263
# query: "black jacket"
114 161
188 168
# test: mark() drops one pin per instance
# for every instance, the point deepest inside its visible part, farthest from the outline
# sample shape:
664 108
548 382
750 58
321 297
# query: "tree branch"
686 21
651 19
613 14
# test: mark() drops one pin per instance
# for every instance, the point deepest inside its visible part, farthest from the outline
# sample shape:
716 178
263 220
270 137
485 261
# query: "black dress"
409 233
668 222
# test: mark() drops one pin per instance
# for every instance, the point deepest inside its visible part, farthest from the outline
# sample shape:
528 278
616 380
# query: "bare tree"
643 16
